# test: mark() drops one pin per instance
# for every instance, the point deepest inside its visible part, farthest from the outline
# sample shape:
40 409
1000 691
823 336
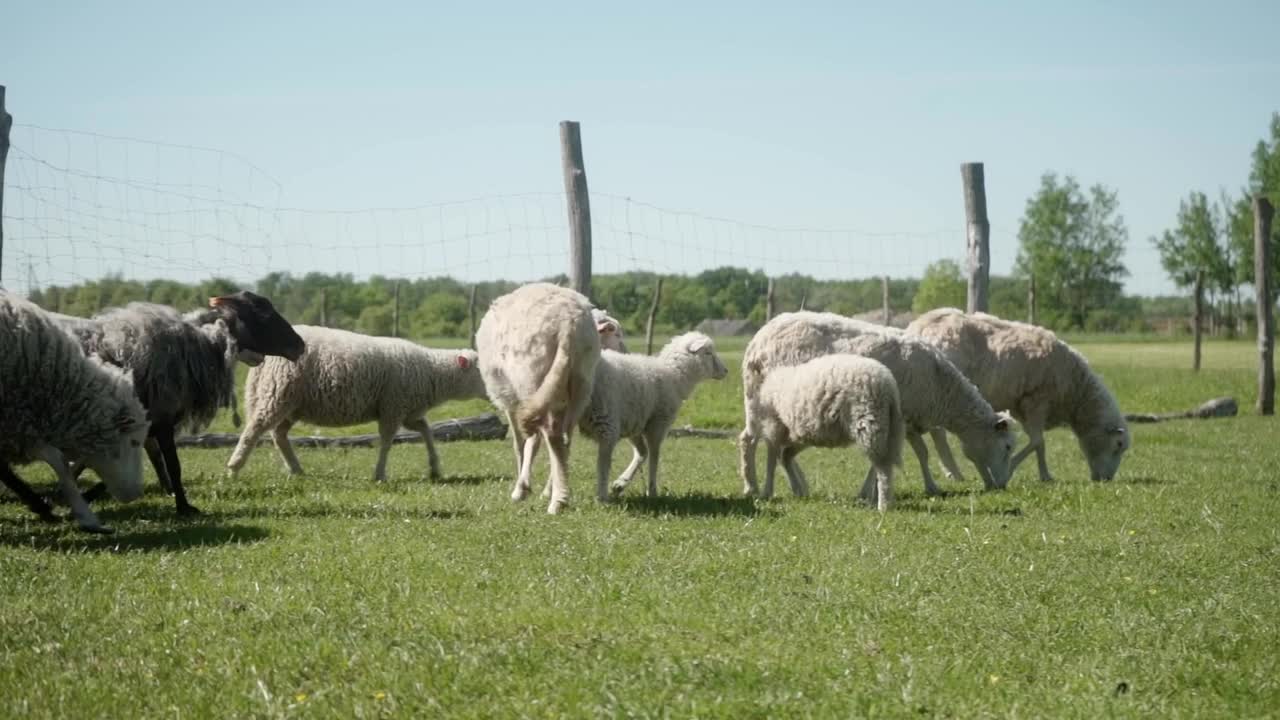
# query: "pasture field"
1154 595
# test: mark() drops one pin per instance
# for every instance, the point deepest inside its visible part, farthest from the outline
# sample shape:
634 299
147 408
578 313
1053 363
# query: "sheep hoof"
556 506
520 493
616 488
188 510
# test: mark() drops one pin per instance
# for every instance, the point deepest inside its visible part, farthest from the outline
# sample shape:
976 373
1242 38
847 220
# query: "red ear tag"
463 362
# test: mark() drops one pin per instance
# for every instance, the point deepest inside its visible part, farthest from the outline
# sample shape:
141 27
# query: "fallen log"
1215 408
480 427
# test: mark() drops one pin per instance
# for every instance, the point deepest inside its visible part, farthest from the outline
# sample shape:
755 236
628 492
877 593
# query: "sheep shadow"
466 480
693 505
929 506
65 537
1145 480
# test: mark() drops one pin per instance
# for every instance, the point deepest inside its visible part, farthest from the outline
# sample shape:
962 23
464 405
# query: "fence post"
471 315
576 197
1197 319
769 302
884 299
1031 301
653 316
6 122
977 234
804 296
324 307
395 312
1262 282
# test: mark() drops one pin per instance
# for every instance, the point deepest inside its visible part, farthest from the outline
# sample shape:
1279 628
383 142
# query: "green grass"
331 596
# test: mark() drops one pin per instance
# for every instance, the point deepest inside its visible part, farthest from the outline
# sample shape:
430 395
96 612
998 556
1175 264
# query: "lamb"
637 397
347 378
933 392
1043 381
538 347
610 331
58 406
833 401
183 367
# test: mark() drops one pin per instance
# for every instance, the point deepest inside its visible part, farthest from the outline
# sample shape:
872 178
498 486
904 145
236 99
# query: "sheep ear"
124 422
696 344
464 362
217 302
1115 430
605 327
1002 424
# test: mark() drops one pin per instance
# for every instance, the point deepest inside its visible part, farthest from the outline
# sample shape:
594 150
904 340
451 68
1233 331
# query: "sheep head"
256 326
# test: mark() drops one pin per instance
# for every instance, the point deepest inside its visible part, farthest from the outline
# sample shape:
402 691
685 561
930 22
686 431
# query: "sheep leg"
559 456
1035 435
386 432
653 440
922 454
157 463
640 453
884 485
944 454
164 437
799 485
248 440
869 486
604 459
280 436
423 428
524 478
517 439
770 469
747 462
28 496
79 508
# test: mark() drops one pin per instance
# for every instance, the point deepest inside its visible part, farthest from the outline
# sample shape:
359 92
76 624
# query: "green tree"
1264 178
1072 243
942 286
1196 245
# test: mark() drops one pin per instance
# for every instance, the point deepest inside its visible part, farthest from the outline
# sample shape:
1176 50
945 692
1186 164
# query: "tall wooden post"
6 122
576 197
1031 301
653 316
324 307
471 315
769 305
1262 283
804 297
977 235
884 299
1197 321
395 312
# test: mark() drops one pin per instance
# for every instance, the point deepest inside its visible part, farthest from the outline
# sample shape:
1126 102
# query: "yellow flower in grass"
379 695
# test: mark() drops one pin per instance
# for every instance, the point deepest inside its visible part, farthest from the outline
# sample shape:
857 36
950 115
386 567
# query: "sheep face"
257 327
990 449
610 331
1104 448
120 467
468 362
703 351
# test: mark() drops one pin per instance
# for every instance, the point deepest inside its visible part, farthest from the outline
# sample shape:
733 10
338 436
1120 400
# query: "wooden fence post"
884 299
6 122
324 307
804 296
977 234
1031 301
1197 320
578 201
1262 283
395 312
769 302
471 315
653 316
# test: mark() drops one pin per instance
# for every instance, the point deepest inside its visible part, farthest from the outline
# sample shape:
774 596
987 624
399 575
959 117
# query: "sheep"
538 347
833 401
347 378
59 406
610 331
637 397
183 366
933 392
1042 380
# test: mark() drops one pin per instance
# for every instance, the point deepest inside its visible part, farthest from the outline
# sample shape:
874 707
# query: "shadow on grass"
387 511
1144 480
65 537
467 480
939 506
694 505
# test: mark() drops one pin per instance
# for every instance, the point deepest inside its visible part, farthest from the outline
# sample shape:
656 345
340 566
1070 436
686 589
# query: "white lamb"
637 397
1043 381
538 348
58 406
347 378
610 331
833 401
933 392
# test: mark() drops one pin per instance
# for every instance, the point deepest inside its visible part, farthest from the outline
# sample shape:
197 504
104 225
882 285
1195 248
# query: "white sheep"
347 378
538 348
59 406
934 393
610 331
833 401
637 397
1043 381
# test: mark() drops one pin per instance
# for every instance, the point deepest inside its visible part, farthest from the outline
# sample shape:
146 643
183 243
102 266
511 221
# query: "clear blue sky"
822 115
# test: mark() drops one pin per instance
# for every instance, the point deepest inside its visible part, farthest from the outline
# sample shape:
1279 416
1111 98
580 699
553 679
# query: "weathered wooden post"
884 299
1031 301
1197 319
395 312
769 302
804 296
6 122
578 201
324 307
1262 283
653 316
977 234
471 315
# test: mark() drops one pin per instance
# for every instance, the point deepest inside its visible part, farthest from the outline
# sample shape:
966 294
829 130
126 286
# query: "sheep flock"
94 394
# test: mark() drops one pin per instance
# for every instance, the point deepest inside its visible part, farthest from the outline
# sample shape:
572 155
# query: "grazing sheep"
347 378
183 367
933 392
538 348
610 331
1043 381
637 397
58 406
833 401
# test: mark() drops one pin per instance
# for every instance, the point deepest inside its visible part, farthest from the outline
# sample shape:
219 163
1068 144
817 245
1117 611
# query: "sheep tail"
554 385
897 431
